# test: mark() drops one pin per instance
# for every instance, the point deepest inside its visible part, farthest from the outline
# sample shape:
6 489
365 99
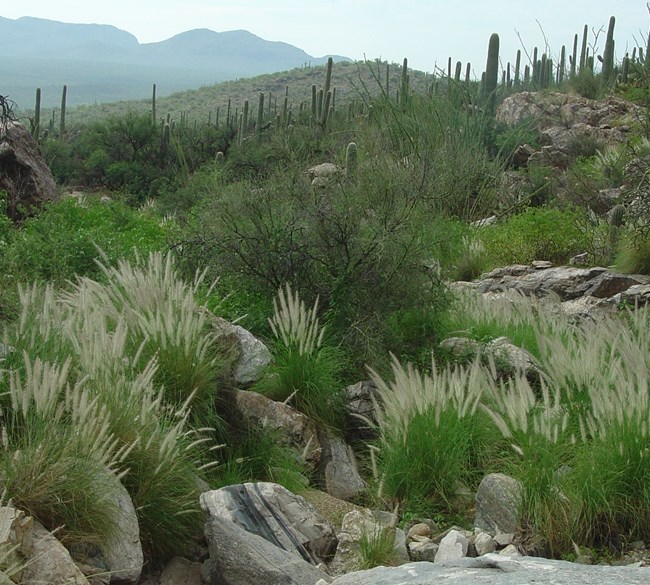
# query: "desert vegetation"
110 364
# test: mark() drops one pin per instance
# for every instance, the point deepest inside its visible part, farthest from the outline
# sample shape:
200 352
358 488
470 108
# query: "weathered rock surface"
497 504
50 562
369 524
325 174
493 569
248 354
561 117
361 402
453 546
273 513
180 571
24 175
342 479
238 557
580 290
123 550
295 429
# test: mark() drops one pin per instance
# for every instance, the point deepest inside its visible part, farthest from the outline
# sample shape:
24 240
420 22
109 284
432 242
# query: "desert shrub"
357 247
586 84
633 255
536 234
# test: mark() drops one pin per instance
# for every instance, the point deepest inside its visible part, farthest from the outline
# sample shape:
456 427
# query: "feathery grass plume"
164 320
57 448
613 462
294 325
305 369
538 431
433 437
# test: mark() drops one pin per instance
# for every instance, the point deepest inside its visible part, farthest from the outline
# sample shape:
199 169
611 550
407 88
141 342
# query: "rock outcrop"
24 175
495 569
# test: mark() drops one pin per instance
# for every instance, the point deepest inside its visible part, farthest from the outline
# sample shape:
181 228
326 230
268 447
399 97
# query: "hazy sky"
427 32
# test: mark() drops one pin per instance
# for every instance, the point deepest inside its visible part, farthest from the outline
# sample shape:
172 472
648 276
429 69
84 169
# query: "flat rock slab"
493 569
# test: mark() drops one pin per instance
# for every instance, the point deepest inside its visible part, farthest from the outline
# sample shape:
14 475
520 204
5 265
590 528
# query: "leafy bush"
65 240
536 234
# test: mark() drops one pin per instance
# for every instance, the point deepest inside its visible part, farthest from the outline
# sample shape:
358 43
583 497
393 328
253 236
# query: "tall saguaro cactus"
37 114
608 54
64 95
492 72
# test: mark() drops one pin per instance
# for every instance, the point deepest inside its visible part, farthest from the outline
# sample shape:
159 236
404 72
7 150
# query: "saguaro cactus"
64 94
351 161
492 72
608 54
37 114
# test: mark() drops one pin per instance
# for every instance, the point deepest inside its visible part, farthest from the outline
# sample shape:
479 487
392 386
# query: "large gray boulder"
24 175
123 550
238 557
493 569
273 513
498 500
247 355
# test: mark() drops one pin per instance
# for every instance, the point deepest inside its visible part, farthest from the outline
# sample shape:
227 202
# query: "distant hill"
101 63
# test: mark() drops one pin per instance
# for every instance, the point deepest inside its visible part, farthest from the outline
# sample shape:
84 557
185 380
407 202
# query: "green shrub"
65 240
634 254
536 234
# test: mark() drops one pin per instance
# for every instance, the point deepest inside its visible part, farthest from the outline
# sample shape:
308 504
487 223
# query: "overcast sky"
427 32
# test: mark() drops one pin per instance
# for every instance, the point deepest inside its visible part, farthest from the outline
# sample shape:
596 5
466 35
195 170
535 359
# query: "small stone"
420 529
484 544
453 546
510 551
423 551
504 539
541 264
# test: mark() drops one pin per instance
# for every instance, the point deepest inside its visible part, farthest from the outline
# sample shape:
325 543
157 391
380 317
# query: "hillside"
351 81
101 63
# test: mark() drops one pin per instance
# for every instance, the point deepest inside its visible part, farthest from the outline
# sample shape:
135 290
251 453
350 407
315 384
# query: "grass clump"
305 369
433 437
93 400
377 547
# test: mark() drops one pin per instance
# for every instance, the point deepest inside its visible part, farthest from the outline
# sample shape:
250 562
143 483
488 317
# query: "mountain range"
101 63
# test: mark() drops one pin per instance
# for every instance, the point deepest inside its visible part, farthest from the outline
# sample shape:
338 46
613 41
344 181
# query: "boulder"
361 405
247 354
238 557
24 175
16 539
342 480
273 513
453 546
123 550
484 543
493 569
296 430
50 562
497 504
325 174
423 551
370 524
